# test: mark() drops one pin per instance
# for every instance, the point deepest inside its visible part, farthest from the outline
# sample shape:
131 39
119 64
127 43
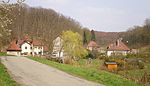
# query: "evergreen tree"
84 38
93 35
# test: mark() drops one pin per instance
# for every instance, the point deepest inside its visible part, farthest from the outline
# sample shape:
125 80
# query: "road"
31 73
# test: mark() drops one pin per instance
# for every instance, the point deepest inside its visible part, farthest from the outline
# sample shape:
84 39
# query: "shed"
111 65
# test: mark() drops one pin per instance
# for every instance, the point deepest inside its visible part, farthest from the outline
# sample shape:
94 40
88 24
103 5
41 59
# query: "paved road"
31 73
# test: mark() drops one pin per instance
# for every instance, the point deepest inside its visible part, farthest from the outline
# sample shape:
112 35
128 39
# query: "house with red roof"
26 46
117 48
13 49
92 45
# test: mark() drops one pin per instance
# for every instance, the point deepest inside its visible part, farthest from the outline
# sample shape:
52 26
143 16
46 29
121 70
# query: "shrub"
139 55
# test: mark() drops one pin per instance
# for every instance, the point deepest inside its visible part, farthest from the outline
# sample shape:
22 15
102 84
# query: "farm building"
117 48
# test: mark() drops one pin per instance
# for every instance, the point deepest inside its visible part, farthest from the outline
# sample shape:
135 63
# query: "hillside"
105 38
137 37
39 23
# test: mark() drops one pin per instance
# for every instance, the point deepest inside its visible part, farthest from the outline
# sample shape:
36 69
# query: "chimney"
117 42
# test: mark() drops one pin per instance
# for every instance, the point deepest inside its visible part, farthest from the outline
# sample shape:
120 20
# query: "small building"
92 45
37 47
117 48
135 51
57 47
111 65
28 46
13 49
45 49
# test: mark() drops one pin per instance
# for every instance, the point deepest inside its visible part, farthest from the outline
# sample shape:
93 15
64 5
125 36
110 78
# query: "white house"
27 46
58 47
117 48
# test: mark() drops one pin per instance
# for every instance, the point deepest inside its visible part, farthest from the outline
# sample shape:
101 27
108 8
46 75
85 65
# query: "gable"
26 44
118 46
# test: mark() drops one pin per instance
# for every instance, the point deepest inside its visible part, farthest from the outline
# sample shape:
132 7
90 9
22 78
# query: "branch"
5 1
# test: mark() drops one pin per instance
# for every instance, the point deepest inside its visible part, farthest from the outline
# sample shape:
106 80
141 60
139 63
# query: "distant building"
92 45
37 47
135 51
27 46
45 49
117 48
57 47
14 49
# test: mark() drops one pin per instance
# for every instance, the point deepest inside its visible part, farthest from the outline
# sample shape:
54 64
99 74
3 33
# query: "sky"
100 15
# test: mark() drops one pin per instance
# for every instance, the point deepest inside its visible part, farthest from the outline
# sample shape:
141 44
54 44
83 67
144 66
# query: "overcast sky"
101 15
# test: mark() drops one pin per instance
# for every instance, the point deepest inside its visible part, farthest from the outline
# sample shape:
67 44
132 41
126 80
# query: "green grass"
90 73
3 54
5 79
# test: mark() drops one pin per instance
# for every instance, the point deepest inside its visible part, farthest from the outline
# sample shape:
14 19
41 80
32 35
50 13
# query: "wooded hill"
105 38
40 23
136 37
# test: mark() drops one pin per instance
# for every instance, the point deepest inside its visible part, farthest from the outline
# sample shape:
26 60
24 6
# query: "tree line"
138 36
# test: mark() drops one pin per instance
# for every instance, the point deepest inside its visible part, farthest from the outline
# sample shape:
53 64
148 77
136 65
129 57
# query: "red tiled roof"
92 44
26 38
119 46
20 42
13 46
37 42
45 48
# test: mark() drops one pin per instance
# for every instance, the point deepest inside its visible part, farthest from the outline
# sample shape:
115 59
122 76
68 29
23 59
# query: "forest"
138 36
39 23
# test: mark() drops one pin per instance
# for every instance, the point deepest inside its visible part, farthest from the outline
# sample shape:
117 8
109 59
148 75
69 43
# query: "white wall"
109 53
16 53
59 55
37 49
26 48
57 47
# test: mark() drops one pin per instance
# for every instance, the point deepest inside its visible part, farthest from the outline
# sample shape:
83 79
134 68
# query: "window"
25 47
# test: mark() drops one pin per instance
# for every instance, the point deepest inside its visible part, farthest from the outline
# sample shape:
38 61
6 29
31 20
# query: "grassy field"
5 79
90 73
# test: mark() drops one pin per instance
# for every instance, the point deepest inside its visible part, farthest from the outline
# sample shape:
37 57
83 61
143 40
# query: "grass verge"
103 77
5 79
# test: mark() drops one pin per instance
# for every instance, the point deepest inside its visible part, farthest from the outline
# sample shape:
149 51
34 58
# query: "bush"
134 64
140 55
141 65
